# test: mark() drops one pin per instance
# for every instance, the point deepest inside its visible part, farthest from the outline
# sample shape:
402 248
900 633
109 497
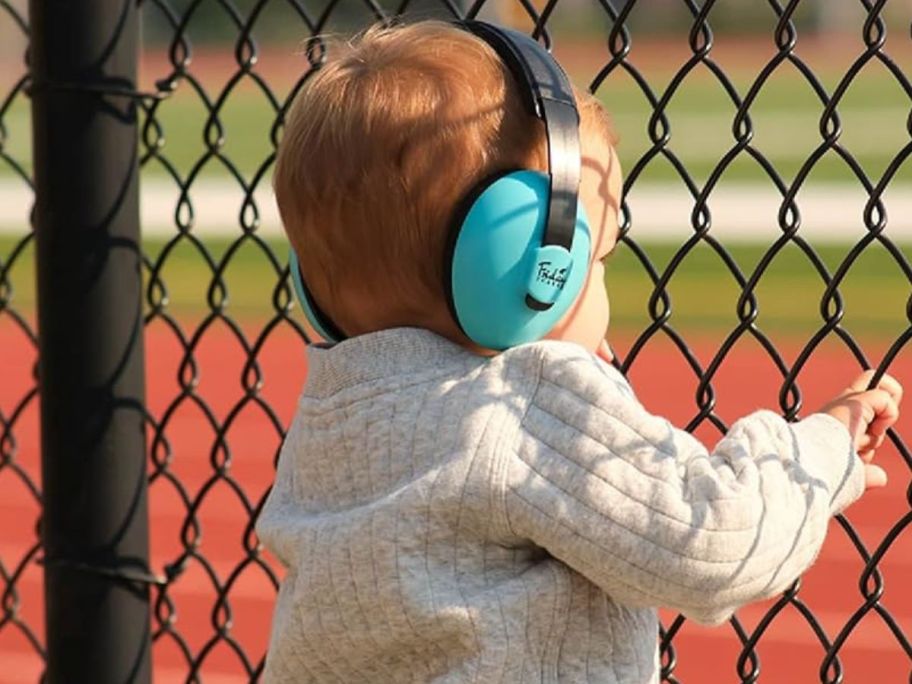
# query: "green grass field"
704 294
874 114
785 116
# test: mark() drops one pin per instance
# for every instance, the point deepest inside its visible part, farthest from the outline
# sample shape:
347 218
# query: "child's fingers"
892 387
887 383
875 476
861 383
868 415
886 411
867 445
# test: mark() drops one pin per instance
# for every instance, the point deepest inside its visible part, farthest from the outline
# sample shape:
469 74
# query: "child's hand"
868 414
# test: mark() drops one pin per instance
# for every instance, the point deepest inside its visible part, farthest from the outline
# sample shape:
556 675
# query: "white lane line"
740 212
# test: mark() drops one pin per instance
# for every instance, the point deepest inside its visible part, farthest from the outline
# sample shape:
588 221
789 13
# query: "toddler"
468 496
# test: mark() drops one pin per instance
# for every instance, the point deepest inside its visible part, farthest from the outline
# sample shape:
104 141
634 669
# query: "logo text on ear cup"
553 276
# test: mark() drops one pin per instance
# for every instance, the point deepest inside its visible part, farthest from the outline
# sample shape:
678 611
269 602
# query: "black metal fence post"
95 529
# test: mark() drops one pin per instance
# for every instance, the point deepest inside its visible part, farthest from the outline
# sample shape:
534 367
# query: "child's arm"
645 512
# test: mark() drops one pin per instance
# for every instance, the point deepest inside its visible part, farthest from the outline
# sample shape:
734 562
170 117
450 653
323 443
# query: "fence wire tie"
126 574
163 93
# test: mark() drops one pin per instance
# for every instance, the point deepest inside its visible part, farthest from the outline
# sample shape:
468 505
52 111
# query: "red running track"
789 651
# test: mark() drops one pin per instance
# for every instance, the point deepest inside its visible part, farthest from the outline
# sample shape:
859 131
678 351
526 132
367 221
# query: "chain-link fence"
789 130
21 619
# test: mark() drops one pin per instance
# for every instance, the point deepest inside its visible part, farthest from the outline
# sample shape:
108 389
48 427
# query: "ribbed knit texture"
446 517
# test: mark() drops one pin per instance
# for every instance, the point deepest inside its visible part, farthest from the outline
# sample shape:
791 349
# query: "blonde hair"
379 147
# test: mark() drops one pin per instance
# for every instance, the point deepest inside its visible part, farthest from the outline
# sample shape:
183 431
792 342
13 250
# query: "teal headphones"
519 243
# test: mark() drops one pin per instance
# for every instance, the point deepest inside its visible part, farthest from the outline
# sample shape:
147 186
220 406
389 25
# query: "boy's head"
380 147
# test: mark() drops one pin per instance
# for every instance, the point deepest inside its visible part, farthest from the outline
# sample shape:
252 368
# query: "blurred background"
705 217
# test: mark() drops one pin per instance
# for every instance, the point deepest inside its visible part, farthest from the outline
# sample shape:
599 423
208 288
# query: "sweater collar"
383 354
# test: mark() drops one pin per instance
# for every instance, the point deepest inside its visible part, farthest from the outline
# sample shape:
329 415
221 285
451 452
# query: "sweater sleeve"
645 512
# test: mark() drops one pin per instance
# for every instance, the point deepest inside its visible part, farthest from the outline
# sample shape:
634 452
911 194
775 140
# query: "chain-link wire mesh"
21 619
225 347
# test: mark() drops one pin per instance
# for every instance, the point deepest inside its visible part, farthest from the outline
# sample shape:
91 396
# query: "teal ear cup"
314 316
498 262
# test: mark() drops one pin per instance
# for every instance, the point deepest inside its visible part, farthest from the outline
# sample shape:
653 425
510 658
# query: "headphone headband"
547 94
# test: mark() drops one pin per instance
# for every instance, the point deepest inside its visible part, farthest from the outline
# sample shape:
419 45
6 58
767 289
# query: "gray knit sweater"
446 517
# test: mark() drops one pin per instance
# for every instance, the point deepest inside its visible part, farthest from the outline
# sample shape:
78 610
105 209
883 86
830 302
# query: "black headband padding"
547 93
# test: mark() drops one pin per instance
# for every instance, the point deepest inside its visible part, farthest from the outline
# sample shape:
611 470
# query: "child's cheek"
596 310
604 352
587 322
